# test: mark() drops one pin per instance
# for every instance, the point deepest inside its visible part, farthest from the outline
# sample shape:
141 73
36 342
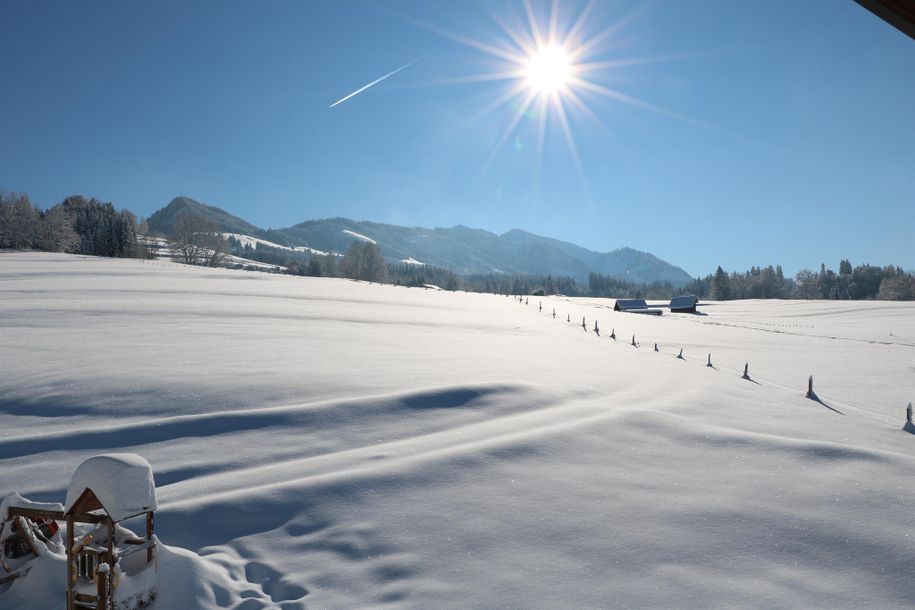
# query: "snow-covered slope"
321 443
359 236
248 240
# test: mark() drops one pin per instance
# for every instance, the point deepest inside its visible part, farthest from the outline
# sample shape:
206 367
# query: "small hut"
684 304
629 304
635 306
106 490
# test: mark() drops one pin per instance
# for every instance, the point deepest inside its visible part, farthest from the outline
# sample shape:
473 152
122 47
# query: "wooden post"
109 572
656 347
554 313
597 330
613 334
102 578
680 355
908 413
540 306
810 393
149 535
569 318
583 325
746 371
71 573
709 363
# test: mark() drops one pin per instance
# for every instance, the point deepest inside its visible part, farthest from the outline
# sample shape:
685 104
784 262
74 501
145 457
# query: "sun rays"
549 63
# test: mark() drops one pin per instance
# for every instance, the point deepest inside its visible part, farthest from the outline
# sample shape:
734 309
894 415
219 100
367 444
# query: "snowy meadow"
323 443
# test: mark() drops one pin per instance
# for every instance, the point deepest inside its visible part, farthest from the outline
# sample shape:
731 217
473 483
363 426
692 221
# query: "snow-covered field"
321 443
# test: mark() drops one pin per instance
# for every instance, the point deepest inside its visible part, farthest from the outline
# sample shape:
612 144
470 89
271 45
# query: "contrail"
374 82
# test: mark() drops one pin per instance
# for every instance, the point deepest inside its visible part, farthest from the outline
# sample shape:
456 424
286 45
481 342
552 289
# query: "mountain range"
462 249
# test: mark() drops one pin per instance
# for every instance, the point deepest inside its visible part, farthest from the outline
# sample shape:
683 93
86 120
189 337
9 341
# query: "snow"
248 240
122 483
325 443
412 261
163 252
358 236
15 500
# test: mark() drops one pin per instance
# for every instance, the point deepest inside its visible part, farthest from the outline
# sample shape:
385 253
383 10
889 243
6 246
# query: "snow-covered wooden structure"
106 490
635 306
684 304
629 304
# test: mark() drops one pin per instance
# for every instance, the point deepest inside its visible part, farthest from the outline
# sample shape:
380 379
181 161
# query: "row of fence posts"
908 427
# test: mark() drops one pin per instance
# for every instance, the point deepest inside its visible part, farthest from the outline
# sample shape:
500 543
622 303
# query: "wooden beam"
14 576
898 13
88 518
107 575
150 522
34 513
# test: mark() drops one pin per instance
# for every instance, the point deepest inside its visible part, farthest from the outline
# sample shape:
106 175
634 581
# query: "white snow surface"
359 236
322 443
122 483
412 261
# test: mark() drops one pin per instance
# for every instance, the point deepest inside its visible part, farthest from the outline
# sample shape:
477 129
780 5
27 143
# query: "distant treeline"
76 225
365 261
87 226
859 283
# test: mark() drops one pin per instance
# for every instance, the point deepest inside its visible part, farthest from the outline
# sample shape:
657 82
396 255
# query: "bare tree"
364 261
194 241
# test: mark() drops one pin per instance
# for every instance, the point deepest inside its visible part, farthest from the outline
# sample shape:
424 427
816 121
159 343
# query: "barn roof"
626 304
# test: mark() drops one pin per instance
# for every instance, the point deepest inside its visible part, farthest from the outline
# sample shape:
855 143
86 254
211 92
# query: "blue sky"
774 132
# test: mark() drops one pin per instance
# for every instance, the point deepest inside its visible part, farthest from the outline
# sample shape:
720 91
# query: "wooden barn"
684 304
636 306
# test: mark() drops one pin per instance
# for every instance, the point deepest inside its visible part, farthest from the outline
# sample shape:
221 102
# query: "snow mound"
122 482
412 261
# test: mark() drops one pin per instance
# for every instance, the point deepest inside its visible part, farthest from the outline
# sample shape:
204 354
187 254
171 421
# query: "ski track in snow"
326 443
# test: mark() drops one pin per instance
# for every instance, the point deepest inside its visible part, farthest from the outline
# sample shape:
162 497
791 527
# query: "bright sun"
550 65
548 70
